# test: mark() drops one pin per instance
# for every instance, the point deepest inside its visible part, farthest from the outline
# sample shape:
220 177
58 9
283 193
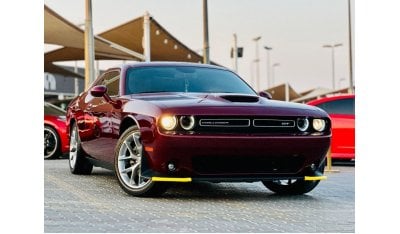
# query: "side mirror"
98 91
265 94
101 91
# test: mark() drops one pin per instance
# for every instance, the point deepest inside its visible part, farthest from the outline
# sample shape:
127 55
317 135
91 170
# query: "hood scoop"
240 98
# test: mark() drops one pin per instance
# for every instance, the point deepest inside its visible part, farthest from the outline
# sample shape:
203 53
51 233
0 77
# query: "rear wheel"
128 166
51 143
78 164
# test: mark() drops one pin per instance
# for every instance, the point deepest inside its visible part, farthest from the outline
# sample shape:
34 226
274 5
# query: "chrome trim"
225 126
280 120
192 122
307 125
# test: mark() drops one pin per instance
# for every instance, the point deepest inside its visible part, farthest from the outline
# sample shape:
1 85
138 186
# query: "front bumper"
224 158
248 179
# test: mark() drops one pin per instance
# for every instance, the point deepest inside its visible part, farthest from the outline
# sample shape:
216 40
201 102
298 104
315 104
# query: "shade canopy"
123 42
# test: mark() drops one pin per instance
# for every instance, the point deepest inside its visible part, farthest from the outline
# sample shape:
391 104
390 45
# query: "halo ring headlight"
303 124
319 125
187 122
168 122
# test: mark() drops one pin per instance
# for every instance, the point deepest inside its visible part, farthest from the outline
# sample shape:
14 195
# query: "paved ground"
96 203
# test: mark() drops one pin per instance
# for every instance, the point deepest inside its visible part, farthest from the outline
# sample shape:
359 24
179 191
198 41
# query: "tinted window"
184 79
53 110
342 106
111 81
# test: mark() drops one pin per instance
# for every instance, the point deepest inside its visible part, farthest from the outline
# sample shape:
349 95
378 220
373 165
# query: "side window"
342 106
111 81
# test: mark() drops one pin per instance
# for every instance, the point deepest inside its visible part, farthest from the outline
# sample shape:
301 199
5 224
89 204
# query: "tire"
127 165
52 143
290 187
78 163
293 187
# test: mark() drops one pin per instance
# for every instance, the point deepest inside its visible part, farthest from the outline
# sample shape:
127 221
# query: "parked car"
341 110
56 140
159 122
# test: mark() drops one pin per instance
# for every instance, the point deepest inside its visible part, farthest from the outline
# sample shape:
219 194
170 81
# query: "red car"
159 122
341 110
56 140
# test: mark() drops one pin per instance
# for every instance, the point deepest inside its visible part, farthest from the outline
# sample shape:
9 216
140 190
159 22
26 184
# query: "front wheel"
51 143
128 166
291 186
294 186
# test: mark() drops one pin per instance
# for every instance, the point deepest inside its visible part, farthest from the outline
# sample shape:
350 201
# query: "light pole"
273 72
269 85
350 50
333 60
206 46
235 53
89 45
257 61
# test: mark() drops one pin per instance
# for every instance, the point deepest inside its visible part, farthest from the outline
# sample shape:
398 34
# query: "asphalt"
96 203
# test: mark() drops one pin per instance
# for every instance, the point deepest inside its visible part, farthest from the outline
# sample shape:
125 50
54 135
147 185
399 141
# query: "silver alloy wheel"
50 142
73 148
130 162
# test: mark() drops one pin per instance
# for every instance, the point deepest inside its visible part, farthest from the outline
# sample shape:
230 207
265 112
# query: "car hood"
222 103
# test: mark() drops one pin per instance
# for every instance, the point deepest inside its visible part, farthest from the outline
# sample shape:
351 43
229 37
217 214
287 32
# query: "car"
56 141
160 122
341 111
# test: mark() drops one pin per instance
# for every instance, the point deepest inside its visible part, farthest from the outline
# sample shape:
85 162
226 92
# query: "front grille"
274 123
232 123
247 165
246 125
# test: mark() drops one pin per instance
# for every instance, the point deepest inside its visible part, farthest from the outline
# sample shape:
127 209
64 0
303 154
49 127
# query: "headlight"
319 125
187 122
168 122
302 124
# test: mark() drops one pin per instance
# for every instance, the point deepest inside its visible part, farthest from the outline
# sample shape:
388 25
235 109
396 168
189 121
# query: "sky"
295 29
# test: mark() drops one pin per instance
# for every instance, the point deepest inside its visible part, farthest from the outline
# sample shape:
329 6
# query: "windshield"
50 109
184 79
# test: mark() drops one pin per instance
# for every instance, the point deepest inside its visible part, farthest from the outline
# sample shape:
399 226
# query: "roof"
278 92
330 98
169 63
128 36
317 93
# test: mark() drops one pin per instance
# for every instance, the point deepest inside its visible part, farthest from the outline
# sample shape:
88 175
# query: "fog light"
171 167
313 167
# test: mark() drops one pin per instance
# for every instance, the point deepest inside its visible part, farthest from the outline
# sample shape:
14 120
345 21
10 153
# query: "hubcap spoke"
136 139
73 147
130 162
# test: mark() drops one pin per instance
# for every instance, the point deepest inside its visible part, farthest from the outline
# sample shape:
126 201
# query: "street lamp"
333 60
268 66
273 72
257 60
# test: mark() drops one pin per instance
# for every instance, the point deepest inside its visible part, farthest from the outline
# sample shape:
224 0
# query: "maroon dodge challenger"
159 122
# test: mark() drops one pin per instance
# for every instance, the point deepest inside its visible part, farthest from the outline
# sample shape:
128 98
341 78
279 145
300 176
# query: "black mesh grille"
247 165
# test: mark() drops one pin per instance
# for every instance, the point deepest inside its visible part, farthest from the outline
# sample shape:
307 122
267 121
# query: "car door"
100 118
342 115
